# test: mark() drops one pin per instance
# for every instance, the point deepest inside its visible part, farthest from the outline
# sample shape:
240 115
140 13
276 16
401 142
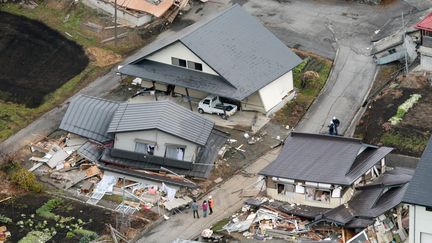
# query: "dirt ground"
35 60
410 136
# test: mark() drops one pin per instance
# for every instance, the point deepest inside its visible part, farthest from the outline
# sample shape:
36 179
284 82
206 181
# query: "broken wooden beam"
122 35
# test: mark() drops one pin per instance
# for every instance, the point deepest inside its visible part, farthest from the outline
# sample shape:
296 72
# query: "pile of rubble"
69 164
260 220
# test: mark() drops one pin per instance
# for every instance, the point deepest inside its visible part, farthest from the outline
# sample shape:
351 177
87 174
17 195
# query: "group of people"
333 127
207 205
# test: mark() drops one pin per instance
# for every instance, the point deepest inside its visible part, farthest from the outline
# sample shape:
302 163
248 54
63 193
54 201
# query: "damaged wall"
127 141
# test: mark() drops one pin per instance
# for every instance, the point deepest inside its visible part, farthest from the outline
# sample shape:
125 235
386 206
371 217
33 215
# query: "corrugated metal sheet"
237 46
91 151
89 117
321 158
420 191
165 116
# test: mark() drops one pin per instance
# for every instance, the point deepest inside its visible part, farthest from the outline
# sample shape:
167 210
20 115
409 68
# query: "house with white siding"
419 197
322 170
231 55
153 136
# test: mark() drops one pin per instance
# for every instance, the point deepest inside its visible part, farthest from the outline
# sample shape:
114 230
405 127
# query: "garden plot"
34 217
399 116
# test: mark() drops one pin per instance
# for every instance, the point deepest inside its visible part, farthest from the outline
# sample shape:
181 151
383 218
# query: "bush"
4 219
86 235
25 179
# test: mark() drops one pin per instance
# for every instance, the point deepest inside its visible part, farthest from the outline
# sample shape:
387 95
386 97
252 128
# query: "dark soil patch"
410 136
21 208
35 60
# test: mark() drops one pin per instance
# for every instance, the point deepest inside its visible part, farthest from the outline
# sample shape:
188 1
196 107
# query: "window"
313 194
206 102
144 148
194 65
178 62
175 152
285 188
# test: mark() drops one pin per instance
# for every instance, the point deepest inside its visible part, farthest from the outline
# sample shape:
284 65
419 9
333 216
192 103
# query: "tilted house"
419 196
154 136
322 170
231 55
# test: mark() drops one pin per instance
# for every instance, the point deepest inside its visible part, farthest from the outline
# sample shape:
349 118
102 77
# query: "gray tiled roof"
163 115
323 158
420 191
234 44
90 151
89 117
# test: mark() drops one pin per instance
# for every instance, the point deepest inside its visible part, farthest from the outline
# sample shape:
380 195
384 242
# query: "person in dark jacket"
194 207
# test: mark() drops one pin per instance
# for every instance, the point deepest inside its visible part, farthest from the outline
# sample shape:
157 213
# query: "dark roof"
89 117
370 201
420 191
91 151
234 44
163 115
148 176
201 168
325 159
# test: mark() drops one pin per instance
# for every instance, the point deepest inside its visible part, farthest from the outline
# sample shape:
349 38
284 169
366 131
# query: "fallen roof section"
89 117
162 115
156 10
371 200
419 191
324 159
224 42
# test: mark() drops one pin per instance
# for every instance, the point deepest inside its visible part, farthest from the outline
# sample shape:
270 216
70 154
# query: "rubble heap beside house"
419 198
141 152
217 57
140 12
327 189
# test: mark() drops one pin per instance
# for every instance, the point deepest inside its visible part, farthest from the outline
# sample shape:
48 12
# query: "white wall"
127 140
127 17
178 50
420 224
253 103
273 93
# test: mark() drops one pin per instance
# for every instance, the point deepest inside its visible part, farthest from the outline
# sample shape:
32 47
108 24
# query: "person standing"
211 204
195 208
204 208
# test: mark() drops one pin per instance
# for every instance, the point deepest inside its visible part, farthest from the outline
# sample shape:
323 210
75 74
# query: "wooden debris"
122 35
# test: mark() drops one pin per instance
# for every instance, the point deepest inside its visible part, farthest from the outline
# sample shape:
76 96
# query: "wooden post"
154 87
189 100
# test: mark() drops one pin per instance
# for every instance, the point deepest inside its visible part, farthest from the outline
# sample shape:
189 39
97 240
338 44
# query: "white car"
213 105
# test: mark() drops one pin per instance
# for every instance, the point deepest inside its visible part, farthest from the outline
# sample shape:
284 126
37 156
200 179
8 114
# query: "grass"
45 211
113 198
413 143
14 117
293 111
219 225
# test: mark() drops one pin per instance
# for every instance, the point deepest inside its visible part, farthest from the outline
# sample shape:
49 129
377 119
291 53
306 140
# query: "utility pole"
405 45
115 23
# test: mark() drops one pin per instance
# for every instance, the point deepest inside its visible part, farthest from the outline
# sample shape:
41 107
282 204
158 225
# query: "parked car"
213 105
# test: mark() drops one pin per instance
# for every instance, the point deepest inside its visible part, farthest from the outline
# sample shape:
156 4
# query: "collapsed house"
369 202
419 197
137 139
231 55
321 170
138 12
